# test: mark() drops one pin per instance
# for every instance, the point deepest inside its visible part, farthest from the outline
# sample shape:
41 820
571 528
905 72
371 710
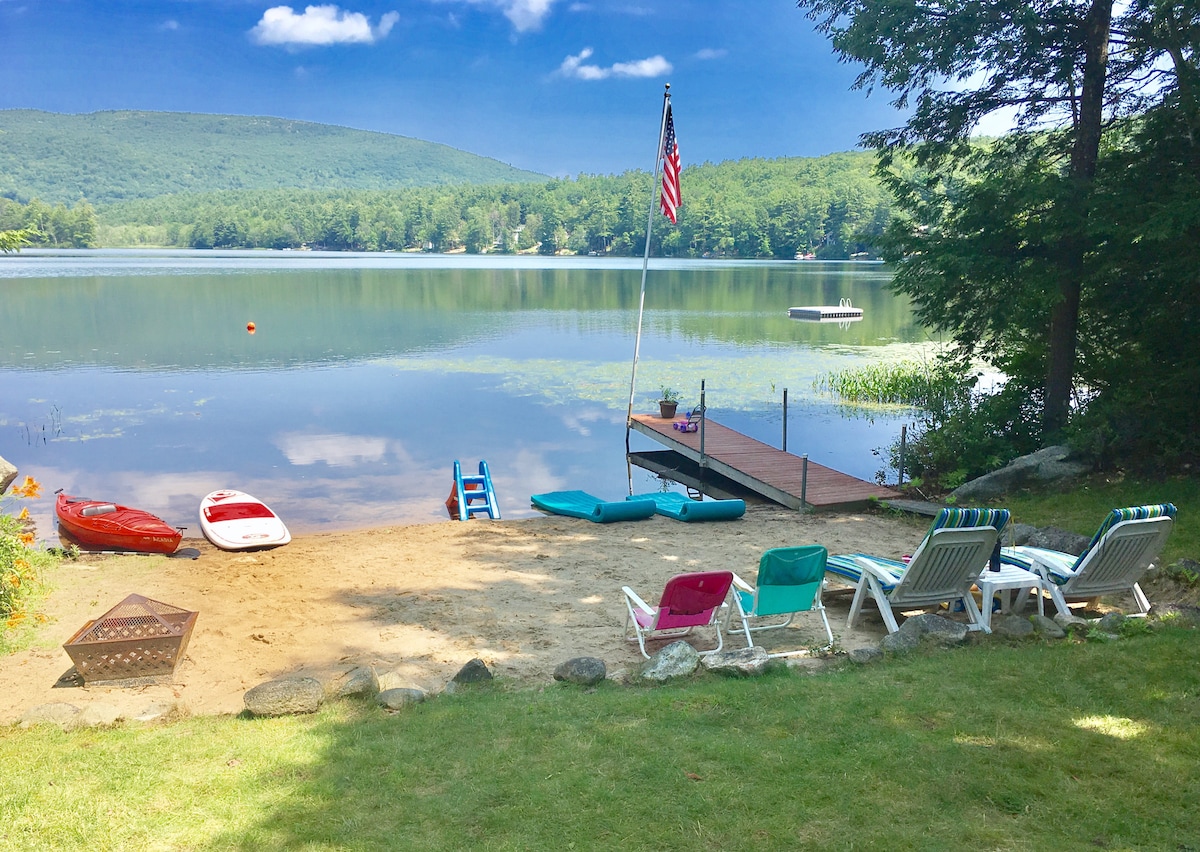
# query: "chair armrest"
742 584
633 598
869 567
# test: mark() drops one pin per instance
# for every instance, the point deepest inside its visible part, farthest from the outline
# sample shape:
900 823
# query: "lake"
130 376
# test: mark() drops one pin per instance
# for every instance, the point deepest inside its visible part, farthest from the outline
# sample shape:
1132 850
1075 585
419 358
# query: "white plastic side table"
1007 578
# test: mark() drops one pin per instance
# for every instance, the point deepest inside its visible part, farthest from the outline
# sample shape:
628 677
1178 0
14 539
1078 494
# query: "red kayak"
98 524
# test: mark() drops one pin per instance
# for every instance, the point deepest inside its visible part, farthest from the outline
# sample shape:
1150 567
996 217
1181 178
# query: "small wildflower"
23 515
26 539
29 488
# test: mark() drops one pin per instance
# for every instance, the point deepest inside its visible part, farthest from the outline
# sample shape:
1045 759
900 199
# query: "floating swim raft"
844 311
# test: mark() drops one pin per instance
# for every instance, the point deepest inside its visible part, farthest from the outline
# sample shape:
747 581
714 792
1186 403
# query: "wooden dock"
751 464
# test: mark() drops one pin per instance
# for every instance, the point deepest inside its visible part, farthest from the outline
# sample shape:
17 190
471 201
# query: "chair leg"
745 622
884 604
860 591
637 630
973 613
1056 595
820 607
1139 597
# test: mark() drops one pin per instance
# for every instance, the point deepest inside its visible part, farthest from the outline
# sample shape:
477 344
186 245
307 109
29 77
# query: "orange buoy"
250 327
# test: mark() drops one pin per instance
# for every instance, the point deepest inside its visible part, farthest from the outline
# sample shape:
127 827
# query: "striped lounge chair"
1119 554
943 568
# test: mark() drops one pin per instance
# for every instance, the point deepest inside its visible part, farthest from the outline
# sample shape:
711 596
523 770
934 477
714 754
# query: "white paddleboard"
233 520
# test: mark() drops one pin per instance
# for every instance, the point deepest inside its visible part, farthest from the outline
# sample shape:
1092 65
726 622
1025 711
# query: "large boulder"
927 627
59 713
742 662
400 697
1050 538
1182 615
679 659
8 473
285 696
585 671
1052 464
475 671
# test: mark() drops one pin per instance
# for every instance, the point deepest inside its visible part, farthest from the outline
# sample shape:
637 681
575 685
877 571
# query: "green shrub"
978 434
21 564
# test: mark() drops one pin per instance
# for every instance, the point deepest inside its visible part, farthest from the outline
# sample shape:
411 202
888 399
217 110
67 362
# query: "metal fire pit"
138 637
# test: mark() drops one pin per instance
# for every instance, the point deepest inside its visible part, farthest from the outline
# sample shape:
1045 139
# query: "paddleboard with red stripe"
233 520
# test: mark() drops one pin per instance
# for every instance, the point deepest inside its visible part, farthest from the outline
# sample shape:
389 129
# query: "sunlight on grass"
971 749
1113 726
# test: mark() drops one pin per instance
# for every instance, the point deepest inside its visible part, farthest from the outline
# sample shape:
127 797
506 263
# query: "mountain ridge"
120 155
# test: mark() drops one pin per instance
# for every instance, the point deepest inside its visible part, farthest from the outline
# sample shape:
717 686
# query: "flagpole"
637 344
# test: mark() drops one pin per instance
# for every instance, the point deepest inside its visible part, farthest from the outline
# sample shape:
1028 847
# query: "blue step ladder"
475 493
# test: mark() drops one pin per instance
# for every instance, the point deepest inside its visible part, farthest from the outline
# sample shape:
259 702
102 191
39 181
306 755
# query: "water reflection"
131 376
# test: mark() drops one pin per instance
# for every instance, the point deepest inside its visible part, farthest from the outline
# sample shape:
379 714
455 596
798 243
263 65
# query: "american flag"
669 200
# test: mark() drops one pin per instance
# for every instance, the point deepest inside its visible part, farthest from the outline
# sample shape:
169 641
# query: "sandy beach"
522 595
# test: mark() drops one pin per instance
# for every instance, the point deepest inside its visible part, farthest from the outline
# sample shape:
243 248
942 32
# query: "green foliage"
21 565
667 394
1185 573
1066 251
40 224
937 387
979 432
964 431
113 156
13 240
832 205
203 181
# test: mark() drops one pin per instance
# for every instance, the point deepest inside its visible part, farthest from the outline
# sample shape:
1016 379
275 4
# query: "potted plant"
668 401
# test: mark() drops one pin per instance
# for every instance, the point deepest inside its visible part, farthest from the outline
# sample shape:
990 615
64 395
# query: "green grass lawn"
1037 746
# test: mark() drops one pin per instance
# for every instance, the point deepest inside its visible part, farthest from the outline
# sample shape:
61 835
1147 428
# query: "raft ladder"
475 492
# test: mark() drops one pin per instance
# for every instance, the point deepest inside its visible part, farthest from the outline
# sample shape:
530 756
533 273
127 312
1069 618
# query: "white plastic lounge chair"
1119 554
943 568
688 601
788 583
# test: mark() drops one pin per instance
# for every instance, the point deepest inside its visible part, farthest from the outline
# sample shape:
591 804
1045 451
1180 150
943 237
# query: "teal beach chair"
788 583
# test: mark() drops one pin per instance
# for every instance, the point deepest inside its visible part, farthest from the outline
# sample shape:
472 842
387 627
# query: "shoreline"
420 600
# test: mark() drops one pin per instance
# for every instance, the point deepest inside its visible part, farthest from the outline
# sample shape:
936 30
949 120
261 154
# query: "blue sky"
561 87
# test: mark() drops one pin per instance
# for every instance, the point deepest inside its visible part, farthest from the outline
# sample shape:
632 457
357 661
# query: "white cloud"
577 67
712 53
527 14
524 14
319 25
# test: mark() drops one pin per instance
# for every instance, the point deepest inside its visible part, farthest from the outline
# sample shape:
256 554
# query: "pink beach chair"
688 601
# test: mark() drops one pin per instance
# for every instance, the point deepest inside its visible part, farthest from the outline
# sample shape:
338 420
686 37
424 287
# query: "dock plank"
777 475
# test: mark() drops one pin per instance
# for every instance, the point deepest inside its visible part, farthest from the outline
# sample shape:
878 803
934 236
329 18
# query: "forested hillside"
105 157
209 181
830 206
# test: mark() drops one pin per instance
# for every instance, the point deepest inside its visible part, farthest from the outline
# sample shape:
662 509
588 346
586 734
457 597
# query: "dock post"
703 417
803 482
785 420
903 441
